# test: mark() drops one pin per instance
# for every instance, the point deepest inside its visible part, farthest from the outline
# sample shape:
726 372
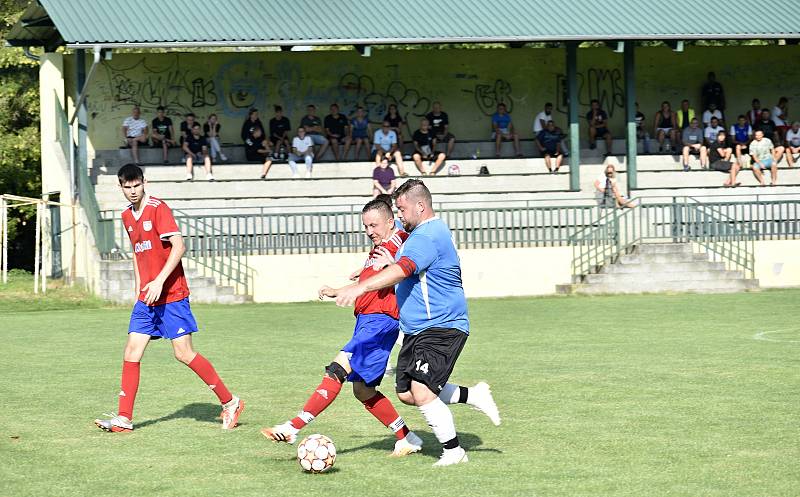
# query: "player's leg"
177 324
479 397
323 396
382 409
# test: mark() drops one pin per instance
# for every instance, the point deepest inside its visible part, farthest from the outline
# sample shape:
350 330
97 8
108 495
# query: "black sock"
451 444
463 393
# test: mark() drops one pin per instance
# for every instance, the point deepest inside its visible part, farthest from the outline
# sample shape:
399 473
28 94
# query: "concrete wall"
777 263
486 273
469 83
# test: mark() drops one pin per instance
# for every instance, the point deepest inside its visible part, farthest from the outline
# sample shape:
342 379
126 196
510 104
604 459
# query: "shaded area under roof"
180 23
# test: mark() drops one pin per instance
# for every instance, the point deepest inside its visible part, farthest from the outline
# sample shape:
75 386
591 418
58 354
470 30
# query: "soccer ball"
316 453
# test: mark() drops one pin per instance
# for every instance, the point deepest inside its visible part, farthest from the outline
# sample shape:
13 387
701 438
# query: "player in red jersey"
362 360
162 309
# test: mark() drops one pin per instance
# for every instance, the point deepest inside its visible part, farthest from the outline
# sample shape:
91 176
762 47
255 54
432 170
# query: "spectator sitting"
250 124
279 127
385 144
549 142
692 139
792 143
195 146
302 149
211 130
503 129
186 127
440 124
665 123
754 114
542 118
762 153
685 115
360 131
741 133
383 179
607 190
424 149
780 114
713 93
396 123
712 112
162 133
712 131
134 130
313 126
718 158
641 131
337 128
598 127
256 149
767 126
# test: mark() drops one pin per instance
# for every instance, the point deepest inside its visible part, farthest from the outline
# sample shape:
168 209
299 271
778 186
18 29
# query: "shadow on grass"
199 411
430 448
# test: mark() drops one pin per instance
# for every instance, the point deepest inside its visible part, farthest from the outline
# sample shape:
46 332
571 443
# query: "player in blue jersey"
433 318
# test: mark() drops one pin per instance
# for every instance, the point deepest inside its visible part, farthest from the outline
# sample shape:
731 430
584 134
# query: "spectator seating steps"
662 267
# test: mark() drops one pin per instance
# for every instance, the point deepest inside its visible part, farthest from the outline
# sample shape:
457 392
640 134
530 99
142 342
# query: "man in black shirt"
424 149
162 133
279 127
440 125
250 124
186 126
718 155
598 127
337 128
195 146
313 126
713 93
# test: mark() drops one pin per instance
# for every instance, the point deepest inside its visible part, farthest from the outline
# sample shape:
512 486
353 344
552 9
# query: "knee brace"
336 371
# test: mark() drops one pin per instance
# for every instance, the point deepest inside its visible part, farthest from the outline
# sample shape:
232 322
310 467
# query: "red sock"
130 385
322 397
382 408
208 374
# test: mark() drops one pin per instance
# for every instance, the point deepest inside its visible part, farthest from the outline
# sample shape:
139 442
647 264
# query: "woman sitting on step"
607 191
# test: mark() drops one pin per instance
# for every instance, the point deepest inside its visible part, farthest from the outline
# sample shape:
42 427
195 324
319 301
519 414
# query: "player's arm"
154 287
390 276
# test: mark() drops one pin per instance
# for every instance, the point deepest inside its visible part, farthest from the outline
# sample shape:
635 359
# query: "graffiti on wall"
605 85
488 96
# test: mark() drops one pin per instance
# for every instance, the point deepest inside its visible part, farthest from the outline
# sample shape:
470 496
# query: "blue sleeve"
421 250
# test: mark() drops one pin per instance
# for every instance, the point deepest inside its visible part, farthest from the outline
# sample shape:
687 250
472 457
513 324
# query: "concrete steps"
117 285
661 267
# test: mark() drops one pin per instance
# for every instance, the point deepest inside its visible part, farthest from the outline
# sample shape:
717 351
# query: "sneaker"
295 175
480 398
408 445
281 433
117 424
308 174
210 177
166 161
686 168
223 157
452 456
263 176
592 146
189 177
231 412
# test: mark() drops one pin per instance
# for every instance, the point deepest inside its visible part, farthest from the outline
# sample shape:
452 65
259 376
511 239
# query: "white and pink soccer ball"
316 453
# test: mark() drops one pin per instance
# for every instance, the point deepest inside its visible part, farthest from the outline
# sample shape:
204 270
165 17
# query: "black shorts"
601 132
721 165
374 154
429 358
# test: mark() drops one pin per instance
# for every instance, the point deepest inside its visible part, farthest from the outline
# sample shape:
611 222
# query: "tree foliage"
20 165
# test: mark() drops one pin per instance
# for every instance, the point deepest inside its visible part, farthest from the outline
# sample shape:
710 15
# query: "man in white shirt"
710 113
302 148
542 118
385 143
711 132
134 130
780 115
792 143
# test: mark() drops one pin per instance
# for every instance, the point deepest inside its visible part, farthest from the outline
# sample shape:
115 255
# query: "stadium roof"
181 23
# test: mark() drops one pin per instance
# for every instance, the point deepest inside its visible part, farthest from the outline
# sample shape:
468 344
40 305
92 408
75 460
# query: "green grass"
635 396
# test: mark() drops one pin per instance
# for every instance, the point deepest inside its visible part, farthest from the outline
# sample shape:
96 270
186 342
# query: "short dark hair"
548 104
741 116
130 172
278 108
378 205
721 132
416 189
195 125
385 197
311 106
190 114
160 107
252 109
593 101
755 100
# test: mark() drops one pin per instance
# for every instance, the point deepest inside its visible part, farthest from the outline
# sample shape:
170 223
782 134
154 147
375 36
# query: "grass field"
635 396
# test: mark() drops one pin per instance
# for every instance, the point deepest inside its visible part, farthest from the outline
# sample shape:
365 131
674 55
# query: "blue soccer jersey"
432 297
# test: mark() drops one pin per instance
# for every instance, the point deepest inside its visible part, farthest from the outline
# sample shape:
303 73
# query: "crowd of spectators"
761 135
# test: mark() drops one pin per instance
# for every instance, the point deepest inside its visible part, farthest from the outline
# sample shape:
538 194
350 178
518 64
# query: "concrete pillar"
574 129
630 115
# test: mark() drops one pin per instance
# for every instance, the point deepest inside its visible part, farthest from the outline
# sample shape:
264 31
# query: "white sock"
440 419
450 394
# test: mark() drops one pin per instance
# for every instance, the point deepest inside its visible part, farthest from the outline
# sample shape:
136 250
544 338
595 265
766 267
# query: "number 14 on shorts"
422 367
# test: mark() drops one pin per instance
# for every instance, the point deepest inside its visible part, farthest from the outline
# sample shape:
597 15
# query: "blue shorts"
765 164
369 349
170 321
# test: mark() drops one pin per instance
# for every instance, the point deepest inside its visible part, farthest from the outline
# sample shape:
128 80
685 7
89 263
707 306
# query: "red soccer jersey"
380 301
149 232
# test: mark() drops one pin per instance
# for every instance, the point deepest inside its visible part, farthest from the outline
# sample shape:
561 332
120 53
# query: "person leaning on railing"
608 194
